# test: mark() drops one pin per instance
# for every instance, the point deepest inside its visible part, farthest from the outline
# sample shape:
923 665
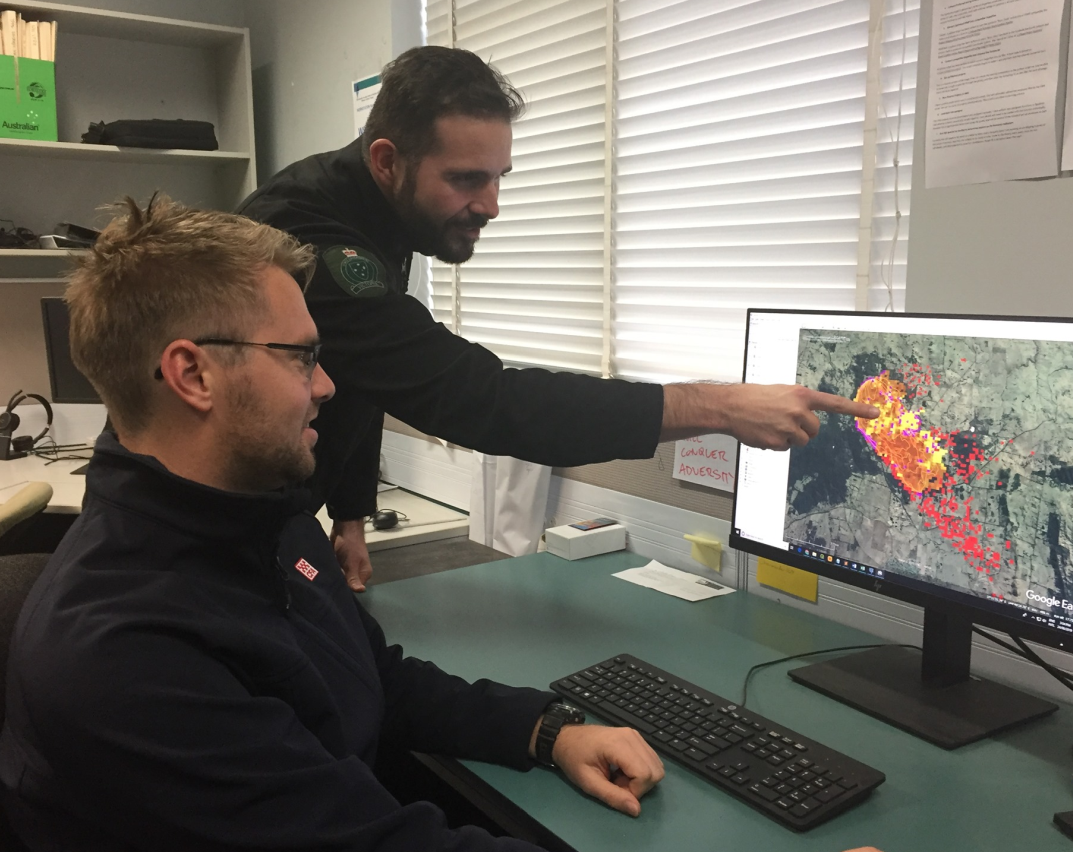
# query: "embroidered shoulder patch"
306 569
356 270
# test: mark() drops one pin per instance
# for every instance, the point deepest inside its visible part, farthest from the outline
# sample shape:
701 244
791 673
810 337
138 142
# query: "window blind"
735 168
533 291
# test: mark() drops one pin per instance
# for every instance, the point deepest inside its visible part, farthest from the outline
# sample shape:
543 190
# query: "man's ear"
386 164
187 375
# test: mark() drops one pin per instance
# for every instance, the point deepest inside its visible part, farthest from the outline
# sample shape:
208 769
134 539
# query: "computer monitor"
67 383
959 497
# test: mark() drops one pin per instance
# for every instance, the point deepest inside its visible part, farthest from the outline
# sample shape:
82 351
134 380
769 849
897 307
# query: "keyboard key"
740 779
696 754
707 748
785 804
802 809
678 745
765 793
830 794
626 717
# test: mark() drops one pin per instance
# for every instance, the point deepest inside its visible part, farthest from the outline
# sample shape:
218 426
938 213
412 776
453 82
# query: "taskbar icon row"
820 556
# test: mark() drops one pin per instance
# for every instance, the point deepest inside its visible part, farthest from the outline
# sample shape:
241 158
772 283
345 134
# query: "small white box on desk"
574 542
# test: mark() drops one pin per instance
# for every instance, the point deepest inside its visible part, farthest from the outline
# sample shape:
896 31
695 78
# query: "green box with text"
27 99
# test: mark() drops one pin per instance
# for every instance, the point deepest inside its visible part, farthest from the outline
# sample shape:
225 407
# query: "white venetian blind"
739 138
533 292
736 172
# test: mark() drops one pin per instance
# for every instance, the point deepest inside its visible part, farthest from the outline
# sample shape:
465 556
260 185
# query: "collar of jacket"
141 485
379 220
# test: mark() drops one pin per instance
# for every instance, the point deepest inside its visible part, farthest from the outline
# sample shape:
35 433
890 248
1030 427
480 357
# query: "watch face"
570 715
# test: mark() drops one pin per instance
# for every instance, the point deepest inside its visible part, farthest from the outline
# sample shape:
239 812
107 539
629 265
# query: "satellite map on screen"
966 477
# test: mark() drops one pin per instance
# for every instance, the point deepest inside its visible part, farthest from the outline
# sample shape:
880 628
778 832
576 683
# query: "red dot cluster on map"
927 464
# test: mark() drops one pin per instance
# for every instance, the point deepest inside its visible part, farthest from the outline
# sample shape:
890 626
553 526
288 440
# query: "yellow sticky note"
707 551
793 581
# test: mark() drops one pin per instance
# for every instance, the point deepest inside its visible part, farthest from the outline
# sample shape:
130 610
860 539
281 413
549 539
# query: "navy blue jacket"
191 672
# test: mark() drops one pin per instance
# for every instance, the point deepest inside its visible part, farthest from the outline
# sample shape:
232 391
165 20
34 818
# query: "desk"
539 618
67 488
430 521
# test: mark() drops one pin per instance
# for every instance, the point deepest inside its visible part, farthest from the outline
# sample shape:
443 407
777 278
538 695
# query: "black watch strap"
556 715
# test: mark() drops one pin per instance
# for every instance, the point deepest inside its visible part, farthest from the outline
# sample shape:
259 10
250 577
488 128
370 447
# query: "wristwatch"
556 715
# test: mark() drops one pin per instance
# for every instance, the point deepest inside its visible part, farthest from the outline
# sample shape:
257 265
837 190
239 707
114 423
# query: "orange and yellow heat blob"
912 453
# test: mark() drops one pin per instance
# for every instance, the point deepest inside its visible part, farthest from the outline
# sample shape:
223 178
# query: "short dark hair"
427 83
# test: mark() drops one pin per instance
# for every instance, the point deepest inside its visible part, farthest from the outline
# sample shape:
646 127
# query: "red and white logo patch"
307 570
349 253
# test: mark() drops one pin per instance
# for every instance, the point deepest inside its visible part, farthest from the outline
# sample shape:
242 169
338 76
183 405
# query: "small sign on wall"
365 92
707 460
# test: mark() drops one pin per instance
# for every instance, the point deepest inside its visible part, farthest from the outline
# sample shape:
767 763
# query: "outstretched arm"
771 417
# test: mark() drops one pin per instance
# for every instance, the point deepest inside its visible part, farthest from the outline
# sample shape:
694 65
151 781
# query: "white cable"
886 272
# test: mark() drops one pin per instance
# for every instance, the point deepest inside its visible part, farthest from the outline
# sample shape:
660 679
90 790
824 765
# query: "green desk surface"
531 620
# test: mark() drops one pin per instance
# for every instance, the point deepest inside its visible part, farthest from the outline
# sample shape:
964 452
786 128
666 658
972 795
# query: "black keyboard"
790 778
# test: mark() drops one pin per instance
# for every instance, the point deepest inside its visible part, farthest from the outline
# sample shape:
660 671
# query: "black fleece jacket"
191 672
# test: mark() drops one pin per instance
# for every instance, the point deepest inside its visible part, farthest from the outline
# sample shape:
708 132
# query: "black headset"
16 448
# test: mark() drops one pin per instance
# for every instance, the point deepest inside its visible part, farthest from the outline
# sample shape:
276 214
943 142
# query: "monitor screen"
68 384
959 496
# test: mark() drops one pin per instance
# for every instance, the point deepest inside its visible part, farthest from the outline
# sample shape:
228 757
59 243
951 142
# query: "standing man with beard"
424 177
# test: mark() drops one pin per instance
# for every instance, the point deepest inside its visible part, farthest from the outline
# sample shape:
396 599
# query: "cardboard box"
569 542
27 99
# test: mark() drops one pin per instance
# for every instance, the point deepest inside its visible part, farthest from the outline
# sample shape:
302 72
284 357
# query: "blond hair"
164 273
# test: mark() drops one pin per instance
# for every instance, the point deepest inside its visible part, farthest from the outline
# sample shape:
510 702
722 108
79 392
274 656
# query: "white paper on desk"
671 581
993 91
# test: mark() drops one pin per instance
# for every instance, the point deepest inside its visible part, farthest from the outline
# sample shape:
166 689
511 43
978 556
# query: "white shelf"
124 25
114 154
36 265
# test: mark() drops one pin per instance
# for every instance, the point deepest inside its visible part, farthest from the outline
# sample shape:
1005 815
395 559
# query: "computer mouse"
385 519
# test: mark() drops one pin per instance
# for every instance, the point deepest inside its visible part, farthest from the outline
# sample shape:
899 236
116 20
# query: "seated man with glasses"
191 671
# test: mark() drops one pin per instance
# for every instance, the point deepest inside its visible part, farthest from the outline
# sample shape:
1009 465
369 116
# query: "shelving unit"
42 265
113 65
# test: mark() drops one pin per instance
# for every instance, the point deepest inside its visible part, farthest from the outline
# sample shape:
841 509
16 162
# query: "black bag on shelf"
153 133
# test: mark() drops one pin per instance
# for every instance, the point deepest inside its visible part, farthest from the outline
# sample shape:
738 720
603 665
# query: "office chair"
17 574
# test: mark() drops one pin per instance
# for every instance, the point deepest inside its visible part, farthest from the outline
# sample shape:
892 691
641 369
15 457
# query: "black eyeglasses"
310 353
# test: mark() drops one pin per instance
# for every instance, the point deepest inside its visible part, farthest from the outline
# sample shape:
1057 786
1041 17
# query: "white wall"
1000 248
306 55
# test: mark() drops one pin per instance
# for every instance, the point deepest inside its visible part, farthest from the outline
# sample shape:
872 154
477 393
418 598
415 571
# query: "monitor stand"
930 695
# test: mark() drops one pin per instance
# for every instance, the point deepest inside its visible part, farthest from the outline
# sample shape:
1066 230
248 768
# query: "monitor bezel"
50 344
933 596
